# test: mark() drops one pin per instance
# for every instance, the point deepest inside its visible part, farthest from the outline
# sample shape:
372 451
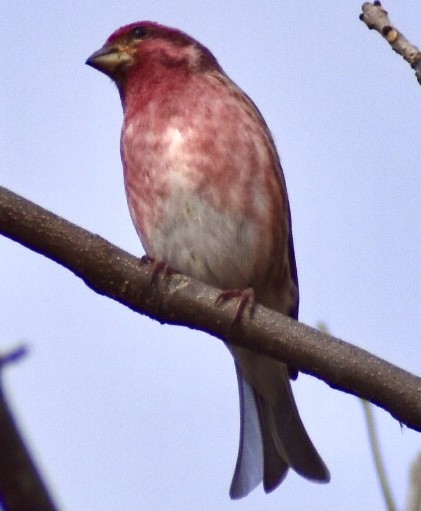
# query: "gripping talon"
158 268
246 299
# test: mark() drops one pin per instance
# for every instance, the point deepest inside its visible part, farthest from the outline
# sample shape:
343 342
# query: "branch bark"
179 300
376 18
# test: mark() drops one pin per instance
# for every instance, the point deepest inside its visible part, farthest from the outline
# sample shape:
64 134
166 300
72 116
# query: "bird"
207 196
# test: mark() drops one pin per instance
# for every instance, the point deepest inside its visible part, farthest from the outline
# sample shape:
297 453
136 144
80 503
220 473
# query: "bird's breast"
202 200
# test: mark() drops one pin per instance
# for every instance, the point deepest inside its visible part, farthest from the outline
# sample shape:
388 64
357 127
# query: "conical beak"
109 59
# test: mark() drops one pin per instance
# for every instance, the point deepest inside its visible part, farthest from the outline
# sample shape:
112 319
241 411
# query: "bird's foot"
246 300
159 268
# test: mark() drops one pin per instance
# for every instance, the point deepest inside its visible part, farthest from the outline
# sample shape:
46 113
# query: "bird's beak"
110 59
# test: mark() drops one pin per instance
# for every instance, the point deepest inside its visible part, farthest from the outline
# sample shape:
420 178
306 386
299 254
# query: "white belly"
200 241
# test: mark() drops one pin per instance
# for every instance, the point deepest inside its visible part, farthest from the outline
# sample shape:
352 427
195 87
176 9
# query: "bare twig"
414 495
376 17
177 299
13 355
374 443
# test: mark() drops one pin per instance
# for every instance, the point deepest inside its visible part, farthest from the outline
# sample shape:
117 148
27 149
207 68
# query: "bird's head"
145 47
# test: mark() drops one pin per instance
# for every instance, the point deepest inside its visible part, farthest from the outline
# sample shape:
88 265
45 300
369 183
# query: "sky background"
122 413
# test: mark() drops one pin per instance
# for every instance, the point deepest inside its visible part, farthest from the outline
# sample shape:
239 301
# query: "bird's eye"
140 32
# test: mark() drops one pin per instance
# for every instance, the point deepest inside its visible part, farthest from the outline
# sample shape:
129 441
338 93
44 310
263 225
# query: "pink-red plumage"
207 196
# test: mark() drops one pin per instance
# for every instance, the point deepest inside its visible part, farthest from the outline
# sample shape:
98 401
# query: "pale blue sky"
125 414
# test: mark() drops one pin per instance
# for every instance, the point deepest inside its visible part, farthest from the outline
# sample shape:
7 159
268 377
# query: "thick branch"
375 17
179 300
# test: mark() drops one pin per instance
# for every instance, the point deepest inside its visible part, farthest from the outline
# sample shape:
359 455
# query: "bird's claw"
246 300
158 268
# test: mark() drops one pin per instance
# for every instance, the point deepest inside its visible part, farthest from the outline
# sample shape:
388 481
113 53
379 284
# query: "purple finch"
207 196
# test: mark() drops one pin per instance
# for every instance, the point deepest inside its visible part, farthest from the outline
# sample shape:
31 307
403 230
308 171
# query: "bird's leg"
246 299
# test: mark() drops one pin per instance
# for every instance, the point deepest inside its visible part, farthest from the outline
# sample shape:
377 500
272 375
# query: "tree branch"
375 17
179 300
21 486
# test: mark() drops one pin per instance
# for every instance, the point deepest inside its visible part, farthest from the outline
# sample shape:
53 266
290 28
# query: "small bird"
207 196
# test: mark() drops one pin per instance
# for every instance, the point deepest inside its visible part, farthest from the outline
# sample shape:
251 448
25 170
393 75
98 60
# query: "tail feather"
272 438
249 468
275 468
281 425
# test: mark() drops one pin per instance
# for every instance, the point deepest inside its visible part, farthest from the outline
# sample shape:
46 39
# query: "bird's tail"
272 435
